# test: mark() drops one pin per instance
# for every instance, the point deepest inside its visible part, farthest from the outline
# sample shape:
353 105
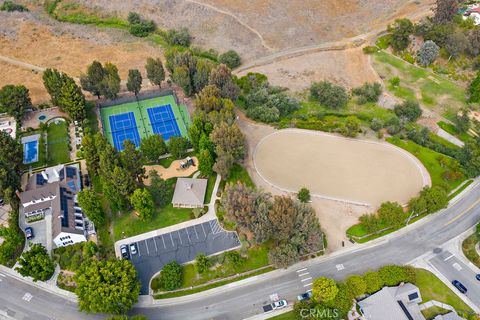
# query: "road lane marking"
179 237
306 279
301 270
303 274
204 233
164 246
462 213
195 232
2 275
307 285
449 257
27 296
457 266
146 245
340 267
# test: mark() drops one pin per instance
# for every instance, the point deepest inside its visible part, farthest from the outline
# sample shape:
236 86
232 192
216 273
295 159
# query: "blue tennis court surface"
163 121
124 127
30 152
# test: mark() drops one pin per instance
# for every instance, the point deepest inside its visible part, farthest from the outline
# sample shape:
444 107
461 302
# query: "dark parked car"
2 202
478 277
459 286
29 233
124 251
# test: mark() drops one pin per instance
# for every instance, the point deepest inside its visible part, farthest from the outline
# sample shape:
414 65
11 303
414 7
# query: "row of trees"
392 215
290 224
329 295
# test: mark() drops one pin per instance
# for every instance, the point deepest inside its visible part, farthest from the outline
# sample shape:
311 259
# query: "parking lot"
181 245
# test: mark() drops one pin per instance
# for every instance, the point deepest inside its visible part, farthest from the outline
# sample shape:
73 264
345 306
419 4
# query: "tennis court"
137 120
30 148
163 121
124 127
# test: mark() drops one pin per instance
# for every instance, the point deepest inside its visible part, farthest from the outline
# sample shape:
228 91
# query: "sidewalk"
47 286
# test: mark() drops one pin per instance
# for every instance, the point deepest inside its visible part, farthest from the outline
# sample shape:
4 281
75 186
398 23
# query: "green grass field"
433 91
430 159
57 143
139 109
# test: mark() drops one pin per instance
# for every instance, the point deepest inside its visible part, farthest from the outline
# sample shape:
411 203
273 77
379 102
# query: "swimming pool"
30 152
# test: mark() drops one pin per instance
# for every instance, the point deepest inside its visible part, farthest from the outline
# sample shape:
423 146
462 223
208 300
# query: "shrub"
171 276
328 94
140 27
356 285
368 92
395 81
393 275
179 37
304 195
202 263
376 124
409 110
374 281
11 6
324 289
428 53
234 259
231 58
370 49
351 127
264 114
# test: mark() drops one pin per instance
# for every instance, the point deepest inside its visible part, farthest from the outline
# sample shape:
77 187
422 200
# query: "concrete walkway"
447 136
210 215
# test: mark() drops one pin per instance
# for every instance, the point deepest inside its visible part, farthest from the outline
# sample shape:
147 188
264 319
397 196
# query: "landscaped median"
469 247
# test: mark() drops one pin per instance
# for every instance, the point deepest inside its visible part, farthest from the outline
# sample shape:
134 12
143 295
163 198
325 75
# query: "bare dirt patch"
173 171
49 44
350 68
332 167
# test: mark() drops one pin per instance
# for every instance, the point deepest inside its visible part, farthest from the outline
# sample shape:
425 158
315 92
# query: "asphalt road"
245 299
454 269
181 245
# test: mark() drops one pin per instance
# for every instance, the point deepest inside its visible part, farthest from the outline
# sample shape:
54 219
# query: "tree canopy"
36 263
91 206
134 81
328 94
106 286
15 100
324 289
155 71
142 202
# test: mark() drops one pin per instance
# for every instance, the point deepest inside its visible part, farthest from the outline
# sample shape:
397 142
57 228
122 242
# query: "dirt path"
22 64
241 22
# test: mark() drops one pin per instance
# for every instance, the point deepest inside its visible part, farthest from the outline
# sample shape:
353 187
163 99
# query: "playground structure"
174 170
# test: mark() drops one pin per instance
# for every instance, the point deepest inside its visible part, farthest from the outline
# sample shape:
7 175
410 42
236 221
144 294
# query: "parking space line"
306 279
138 246
302 270
171 238
155 243
189 241
196 233
307 285
146 244
303 274
164 246
179 237
449 257
204 233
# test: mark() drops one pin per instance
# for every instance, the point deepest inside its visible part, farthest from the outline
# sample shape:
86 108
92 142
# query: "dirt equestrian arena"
332 167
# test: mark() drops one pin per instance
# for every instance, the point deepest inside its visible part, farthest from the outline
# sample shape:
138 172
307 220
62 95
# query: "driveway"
181 245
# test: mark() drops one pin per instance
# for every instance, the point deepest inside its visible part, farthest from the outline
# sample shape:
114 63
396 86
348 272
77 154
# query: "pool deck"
33 137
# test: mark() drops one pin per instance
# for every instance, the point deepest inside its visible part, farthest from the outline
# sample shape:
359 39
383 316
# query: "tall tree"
152 147
202 74
445 10
131 160
118 188
158 189
401 31
142 202
10 163
71 99
110 84
282 216
91 81
177 146
106 286
324 289
155 71
221 77
36 263
206 162
181 76
14 100
229 139
134 81
92 206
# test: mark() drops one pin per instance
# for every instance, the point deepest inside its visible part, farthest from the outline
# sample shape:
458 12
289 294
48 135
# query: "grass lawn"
430 159
290 315
432 288
239 173
450 128
210 185
57 143
432 90
468 248
434 311
463 187
92 117
128 225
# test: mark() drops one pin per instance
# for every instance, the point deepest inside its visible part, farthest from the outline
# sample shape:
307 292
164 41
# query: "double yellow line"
462 213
